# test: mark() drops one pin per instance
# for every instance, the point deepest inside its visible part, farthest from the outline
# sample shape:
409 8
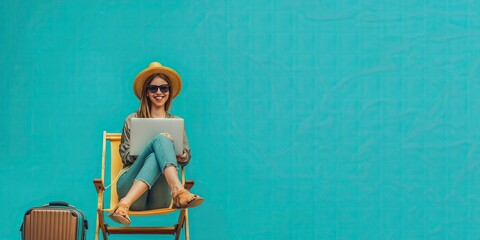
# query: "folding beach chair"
115 165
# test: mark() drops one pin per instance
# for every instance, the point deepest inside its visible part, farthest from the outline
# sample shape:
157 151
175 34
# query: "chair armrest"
189 184
100 189
98 185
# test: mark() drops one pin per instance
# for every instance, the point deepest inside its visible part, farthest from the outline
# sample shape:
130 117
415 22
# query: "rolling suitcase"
54 221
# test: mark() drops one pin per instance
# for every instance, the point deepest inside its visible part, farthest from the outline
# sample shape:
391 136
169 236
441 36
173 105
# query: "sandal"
120 214
184 199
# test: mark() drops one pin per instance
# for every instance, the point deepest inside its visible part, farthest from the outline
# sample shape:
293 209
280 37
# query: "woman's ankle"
177 189
124 203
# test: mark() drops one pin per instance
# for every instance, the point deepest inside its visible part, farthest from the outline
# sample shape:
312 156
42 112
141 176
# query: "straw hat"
156 67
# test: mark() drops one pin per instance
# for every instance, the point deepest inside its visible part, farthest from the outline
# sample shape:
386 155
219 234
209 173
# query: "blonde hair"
145 103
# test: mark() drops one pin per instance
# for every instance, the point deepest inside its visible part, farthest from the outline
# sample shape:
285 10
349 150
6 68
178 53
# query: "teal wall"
307 119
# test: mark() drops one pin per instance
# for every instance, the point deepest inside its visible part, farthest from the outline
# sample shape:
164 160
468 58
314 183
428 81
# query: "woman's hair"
145 103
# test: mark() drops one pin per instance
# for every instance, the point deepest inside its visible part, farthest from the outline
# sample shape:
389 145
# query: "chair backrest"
115 163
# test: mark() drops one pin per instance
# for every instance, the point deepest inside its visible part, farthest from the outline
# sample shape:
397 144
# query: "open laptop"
143 130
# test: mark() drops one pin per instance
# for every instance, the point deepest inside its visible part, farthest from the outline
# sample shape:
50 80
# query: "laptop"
143 130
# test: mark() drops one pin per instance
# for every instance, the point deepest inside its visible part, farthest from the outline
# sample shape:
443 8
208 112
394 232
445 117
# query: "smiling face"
158 98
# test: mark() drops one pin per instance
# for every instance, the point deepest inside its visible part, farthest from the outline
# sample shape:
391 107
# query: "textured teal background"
307 120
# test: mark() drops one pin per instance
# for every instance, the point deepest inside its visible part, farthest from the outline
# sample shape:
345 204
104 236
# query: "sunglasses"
154 88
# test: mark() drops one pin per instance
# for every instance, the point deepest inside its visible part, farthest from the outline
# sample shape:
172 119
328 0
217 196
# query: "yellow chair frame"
116 166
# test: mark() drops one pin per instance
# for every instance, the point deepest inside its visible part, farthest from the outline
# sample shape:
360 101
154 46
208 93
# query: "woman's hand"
182 157
168 136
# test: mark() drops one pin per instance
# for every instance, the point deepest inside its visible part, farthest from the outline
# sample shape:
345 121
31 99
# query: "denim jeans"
148 168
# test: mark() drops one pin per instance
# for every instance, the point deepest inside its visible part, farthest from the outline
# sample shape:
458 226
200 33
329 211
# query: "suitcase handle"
58 203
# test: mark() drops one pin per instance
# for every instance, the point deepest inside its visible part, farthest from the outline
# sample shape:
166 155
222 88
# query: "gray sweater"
124 149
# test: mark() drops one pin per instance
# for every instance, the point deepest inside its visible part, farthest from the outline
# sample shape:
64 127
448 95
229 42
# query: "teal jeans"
148 168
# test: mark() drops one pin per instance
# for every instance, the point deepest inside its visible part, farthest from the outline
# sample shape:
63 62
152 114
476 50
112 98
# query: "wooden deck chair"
115 167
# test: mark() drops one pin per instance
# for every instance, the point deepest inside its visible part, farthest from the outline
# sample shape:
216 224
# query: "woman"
147 181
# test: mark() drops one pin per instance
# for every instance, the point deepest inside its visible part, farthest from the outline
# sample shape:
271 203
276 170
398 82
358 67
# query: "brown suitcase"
55 221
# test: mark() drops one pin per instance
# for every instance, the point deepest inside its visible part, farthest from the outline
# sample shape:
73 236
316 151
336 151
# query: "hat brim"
175 80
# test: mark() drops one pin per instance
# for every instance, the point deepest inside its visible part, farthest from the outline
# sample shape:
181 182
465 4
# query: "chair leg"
187 230
181 220
105 236
97 228
101 225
